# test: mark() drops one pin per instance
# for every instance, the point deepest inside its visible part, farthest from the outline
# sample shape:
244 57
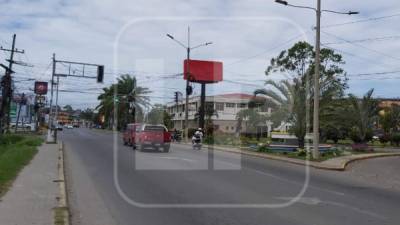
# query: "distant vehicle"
154 136
69 126
25 126
59 127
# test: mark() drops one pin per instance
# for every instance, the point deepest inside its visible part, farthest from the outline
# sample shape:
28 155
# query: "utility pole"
318 11
7 91
50 135
188 88
315 151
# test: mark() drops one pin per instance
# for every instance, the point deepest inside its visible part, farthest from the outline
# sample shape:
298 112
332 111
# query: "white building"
226 105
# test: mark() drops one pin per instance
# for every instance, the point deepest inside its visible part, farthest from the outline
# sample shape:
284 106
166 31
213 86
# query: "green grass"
16 151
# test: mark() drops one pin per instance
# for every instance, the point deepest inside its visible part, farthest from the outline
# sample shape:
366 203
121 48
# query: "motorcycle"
196 143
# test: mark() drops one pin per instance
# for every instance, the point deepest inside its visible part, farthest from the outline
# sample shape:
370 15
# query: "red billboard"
40 88
203 71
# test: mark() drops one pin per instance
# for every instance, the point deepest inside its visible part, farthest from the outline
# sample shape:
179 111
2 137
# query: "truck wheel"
140 147
166 148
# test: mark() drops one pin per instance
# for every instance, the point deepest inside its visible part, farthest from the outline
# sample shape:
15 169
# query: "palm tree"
126 95
363 113
289 102
252 120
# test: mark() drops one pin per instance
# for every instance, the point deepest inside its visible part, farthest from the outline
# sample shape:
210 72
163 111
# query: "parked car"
69 126
129 134
154 136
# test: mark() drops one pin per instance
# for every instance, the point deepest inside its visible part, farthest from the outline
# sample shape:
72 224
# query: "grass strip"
15 155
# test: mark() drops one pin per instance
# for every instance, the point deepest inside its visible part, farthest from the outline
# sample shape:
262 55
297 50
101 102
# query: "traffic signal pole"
52 132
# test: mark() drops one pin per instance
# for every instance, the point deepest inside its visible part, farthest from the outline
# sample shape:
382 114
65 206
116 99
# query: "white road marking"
179 158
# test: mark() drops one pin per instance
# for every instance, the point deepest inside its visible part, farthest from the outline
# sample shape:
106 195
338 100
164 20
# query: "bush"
395 138
355 136
361 147
8 139
301 153
263 148
383 139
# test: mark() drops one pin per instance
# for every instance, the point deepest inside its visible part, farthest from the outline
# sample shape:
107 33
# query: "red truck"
148 135
129 134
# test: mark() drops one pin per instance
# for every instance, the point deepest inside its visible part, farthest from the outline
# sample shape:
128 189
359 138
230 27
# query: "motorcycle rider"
197 135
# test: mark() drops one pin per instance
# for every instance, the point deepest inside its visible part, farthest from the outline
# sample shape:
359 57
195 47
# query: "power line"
376 73
365 40
360 21
361 46
266 51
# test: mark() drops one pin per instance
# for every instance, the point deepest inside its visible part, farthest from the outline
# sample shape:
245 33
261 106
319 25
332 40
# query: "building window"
230 105
219 106
241 105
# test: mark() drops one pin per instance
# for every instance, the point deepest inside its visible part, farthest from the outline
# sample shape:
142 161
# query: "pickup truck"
129 135
154 136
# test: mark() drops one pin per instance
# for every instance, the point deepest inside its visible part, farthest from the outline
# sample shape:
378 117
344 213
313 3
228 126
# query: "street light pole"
315 151
187 90
188 50
318 11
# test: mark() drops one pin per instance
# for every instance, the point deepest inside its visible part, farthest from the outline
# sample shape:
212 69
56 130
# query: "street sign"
40 88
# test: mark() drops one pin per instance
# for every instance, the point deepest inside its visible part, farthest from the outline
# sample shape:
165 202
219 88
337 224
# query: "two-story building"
226 108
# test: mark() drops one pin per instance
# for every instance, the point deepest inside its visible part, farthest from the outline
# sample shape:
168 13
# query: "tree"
292 95
129 98
362 113
252 119
390 118
158 115
68 108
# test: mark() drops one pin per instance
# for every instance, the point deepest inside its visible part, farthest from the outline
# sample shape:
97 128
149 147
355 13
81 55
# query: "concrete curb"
63 198
339 166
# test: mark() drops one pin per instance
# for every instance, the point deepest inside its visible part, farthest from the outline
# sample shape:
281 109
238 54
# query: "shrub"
383 139
10 139
361 147
263 148
396 138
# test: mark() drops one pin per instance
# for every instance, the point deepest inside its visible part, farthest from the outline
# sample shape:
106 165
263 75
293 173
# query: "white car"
69 126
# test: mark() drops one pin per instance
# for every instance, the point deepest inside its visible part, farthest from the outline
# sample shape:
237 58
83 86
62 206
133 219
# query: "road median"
337 164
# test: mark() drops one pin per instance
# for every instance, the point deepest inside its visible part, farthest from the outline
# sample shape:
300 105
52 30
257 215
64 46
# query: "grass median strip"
16 151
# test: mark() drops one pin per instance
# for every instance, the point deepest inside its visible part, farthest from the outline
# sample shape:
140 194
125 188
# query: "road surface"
192 187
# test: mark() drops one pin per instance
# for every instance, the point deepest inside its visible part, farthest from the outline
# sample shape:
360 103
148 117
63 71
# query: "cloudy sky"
129 36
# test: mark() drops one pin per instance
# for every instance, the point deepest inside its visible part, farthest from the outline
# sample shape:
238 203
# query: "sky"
129 36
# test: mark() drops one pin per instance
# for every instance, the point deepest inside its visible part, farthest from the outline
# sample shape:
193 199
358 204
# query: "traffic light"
176 97
100 74
189 90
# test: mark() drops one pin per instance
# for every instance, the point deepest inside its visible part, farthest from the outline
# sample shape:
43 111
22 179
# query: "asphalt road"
192 187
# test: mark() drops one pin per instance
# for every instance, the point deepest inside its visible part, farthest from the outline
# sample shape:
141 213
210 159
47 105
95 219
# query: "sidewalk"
34 193
338 163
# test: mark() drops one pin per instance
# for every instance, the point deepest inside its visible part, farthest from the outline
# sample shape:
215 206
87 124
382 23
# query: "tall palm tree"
126 95
280 98
363 113
288 99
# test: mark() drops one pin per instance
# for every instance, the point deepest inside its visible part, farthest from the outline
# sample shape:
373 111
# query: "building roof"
235 95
